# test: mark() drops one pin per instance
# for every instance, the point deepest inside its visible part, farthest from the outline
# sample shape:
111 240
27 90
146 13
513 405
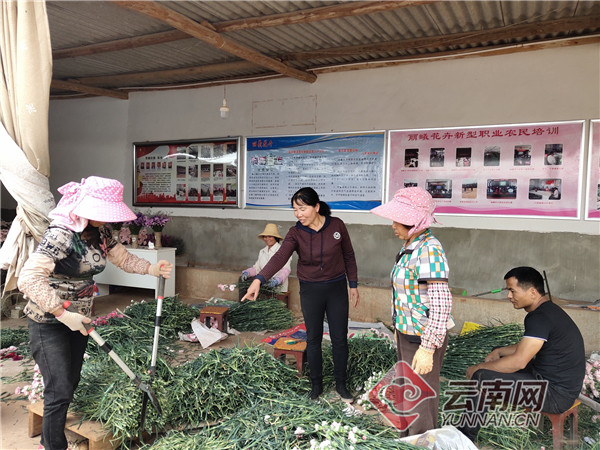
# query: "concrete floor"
14 414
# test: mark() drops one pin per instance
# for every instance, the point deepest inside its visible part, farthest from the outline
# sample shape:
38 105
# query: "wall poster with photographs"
593 192
184 173
345 169
529 169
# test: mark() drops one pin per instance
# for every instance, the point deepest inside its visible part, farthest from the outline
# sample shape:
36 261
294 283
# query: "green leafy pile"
366 355
262 314
471 348
212 387
14 336
285 421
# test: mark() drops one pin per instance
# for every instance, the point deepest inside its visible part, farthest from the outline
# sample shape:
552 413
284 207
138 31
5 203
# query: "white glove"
162 267
74 321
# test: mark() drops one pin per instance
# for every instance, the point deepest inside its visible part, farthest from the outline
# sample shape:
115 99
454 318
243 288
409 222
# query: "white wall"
94 136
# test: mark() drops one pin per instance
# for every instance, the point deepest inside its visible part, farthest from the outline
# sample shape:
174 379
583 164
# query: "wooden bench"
98 438
297 350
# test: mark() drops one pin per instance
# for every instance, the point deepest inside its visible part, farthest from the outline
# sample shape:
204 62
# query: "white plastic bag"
445 438
207 336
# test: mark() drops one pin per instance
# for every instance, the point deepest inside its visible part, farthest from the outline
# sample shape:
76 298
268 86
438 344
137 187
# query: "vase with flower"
135 227
157 223
116 230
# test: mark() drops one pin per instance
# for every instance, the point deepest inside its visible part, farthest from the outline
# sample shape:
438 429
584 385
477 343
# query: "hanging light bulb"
224 110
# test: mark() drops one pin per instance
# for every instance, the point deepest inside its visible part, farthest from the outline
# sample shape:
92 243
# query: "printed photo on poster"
463 157
544 189
436 157
185 172
469 188
522 155
440 188
553 154
411 157
528 170
502 188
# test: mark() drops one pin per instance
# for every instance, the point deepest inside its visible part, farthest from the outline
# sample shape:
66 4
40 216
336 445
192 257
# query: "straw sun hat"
270 230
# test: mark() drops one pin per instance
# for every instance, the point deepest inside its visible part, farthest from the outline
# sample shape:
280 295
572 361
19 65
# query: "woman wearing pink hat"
421 298
74 248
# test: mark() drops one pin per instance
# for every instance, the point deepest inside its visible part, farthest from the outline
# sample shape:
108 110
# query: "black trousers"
318 300
58 352
555 401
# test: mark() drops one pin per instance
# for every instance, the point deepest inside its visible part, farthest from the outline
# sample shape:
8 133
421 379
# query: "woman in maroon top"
326 266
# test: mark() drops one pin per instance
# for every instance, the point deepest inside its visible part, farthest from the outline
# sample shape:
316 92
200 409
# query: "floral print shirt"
62 268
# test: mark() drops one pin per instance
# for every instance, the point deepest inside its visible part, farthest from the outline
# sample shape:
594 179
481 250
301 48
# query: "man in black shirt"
551 349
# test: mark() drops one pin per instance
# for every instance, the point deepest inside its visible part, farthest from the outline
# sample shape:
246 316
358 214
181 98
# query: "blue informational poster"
345 169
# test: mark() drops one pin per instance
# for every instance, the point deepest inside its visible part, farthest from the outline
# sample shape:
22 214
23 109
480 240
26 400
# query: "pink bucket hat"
410 206
95 198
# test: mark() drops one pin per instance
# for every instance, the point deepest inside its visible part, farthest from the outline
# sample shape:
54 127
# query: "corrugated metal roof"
81 23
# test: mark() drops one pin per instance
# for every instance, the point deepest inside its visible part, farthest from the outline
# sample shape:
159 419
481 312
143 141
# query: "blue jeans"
58 352
316 300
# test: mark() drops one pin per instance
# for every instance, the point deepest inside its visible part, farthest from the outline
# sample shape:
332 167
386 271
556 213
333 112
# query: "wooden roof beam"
121 44
130 79
470 37
205 34
353 8
303 16
79 87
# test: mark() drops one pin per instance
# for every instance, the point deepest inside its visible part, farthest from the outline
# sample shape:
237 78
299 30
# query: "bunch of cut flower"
471 348
137 322
366 355
288 421
11 352
157 221
226 287
34 391
371 382
265 291
103 320
261 314
16 339
591 381
136 224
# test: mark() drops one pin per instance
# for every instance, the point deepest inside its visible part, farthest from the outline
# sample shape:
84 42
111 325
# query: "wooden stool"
98 438
219 313
297 350
558 422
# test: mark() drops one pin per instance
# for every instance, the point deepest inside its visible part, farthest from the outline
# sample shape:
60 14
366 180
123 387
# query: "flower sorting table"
113 275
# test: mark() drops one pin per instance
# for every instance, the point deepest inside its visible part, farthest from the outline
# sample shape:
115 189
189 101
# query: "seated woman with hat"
272 238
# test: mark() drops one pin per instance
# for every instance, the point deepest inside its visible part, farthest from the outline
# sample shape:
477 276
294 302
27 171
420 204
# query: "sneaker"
316 391
344 393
